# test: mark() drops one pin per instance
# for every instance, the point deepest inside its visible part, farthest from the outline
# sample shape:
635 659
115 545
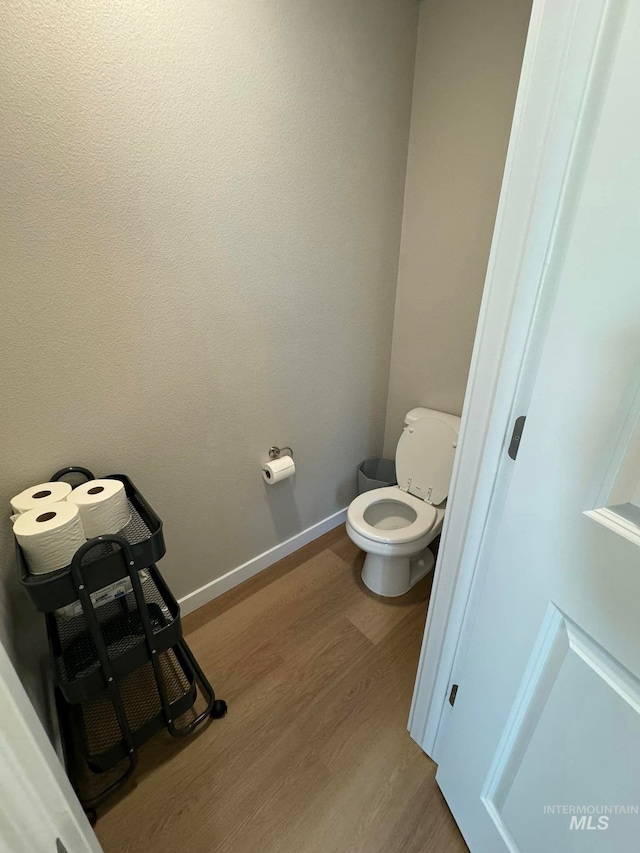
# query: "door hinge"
516 436
453 694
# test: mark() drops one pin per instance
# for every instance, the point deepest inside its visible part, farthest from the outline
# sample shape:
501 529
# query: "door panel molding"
617 504
546 659
558 640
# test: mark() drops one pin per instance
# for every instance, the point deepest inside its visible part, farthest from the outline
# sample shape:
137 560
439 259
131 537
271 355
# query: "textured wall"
467 68
200 210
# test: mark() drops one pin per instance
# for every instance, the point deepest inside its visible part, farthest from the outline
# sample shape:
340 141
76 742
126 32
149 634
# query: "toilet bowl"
394 525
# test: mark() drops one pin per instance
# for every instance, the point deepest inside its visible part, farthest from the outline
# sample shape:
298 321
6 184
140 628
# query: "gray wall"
200 221
467 68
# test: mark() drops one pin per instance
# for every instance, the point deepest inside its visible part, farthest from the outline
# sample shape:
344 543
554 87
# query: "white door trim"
549 139
37 802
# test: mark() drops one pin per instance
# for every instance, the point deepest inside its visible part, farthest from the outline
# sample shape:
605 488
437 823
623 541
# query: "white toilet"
394 525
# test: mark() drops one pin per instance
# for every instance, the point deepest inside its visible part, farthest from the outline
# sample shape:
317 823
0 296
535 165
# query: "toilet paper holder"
276 452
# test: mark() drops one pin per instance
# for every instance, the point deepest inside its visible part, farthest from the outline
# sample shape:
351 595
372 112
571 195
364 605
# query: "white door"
39 812
541 753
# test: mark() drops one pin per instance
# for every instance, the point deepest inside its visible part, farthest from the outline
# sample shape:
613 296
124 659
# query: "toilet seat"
425 516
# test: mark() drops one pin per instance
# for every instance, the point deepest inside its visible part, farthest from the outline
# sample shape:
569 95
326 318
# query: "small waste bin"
375 474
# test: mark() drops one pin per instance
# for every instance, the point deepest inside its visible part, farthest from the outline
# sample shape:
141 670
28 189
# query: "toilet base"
393 576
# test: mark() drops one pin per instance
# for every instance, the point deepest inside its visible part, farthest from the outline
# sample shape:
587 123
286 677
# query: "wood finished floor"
314 755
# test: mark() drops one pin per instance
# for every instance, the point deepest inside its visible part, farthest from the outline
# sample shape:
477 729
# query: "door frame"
564 72
37 803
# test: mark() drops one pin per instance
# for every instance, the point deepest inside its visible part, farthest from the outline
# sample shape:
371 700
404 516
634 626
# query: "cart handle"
90 544
98 640
72 469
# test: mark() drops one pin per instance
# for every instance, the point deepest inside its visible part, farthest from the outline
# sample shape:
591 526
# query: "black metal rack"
143 534
122 669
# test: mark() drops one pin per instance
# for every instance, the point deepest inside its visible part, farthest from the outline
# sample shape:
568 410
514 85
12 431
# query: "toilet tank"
420 412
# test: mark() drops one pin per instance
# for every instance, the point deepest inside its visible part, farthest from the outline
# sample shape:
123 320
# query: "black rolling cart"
122 668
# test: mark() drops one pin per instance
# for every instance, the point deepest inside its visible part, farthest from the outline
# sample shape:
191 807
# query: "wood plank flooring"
314 755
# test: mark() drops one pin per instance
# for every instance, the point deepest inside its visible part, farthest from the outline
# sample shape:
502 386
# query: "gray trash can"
376 473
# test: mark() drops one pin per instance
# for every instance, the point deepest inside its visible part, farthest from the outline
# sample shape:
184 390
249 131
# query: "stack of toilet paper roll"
52 520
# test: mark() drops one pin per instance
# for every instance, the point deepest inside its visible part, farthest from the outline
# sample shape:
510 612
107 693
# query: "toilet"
394 525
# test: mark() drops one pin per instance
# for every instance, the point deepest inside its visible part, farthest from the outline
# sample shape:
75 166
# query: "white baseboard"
247 570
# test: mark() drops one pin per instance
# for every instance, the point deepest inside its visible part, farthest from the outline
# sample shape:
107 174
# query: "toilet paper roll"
38 496
103 506
49 536
278 469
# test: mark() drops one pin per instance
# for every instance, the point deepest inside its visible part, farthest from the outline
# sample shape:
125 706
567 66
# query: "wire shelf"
55 590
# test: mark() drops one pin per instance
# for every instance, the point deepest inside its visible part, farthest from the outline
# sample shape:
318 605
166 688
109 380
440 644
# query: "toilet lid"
424 459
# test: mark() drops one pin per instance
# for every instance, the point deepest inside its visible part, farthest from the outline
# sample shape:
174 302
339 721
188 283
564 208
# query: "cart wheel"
219 709
92 816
